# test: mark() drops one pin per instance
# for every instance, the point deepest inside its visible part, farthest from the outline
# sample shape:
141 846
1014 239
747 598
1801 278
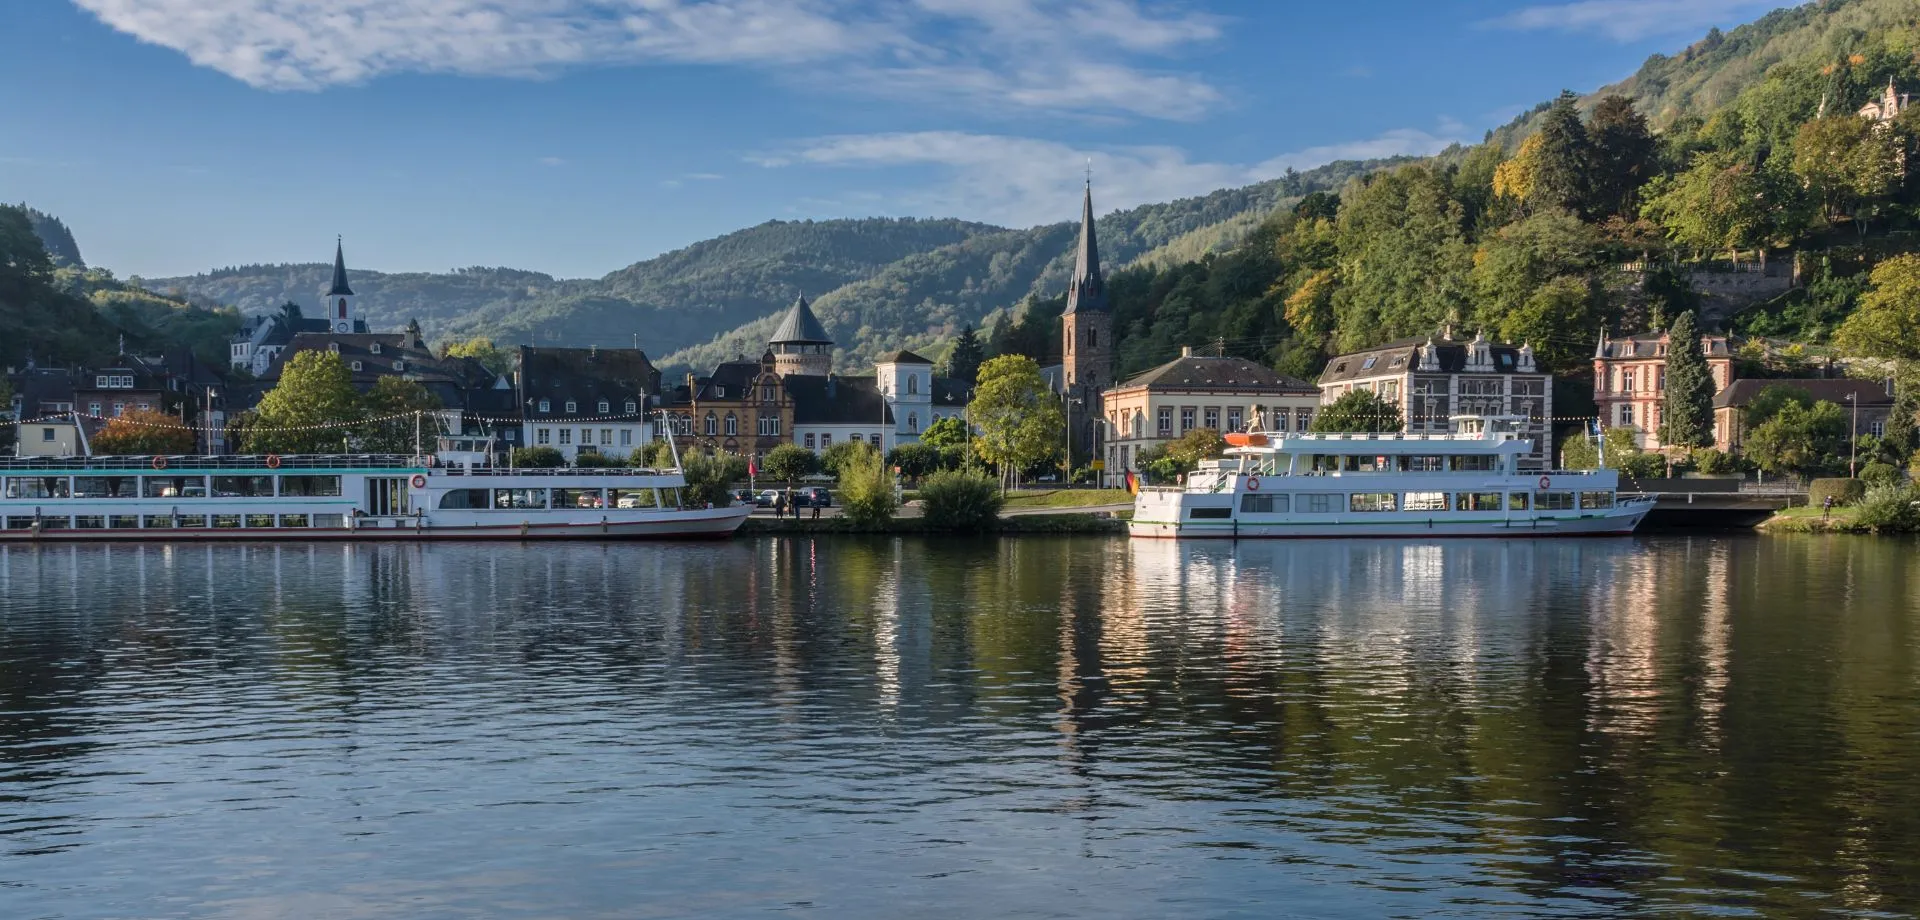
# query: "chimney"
1186 351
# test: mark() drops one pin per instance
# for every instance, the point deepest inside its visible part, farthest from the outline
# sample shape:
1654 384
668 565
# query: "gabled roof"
904 357
339 287
585 376
800 327
1653 345
1740 393
1401 356
1193 372
838 400
731 380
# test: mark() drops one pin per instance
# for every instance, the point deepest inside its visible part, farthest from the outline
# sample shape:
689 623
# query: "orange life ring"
159 463
419 481
1545 482
273 461
1253 483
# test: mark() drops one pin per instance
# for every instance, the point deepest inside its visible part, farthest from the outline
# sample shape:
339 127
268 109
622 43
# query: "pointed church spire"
1086 290
339 272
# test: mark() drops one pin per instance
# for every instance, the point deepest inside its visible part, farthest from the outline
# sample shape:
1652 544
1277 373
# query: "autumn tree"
144 431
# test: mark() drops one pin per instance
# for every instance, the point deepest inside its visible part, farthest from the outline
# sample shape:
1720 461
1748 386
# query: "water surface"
1027 727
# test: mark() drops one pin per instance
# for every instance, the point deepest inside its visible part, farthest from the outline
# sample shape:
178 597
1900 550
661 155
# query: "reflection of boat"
325 497
1466 484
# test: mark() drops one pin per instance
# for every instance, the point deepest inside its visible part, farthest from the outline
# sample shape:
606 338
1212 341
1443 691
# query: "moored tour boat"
341 497
1465 484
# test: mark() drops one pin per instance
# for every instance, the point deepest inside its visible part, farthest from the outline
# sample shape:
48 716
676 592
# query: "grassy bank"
1025 524
1065 498
1840 520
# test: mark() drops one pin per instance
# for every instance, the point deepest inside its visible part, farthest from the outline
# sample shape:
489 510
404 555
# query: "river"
1022 727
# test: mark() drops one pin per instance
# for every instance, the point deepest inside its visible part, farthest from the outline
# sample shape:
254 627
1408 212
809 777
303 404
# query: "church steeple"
339 271
339 300
1087 290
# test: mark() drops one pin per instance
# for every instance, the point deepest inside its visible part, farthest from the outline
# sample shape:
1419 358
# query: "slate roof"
1086 290
837 400
732 380
36 386
586 376
800 327
1399 356
399 355
339 272
904 357
1647 345
1204 372
1871 393
949 391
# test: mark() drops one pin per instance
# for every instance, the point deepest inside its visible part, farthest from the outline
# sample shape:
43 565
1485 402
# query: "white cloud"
1022 181
1629 20
552 161
1056 55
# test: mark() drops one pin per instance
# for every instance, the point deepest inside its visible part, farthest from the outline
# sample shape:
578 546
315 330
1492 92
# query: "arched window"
605 407
913 422
733 425
913 384
713 424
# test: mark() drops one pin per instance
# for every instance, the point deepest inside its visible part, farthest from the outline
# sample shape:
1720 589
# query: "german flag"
1133 483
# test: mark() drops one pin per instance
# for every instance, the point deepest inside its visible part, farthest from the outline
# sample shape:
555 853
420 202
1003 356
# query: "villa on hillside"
1437 377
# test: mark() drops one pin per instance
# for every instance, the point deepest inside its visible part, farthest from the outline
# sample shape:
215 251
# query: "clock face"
341 327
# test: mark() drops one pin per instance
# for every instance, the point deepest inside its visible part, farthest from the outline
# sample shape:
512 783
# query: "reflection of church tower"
1087 327
801 345
340 297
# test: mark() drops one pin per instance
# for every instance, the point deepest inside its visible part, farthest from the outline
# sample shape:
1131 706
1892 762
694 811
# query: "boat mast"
666 423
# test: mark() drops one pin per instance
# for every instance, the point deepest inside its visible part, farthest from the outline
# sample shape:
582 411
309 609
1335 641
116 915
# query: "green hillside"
55 238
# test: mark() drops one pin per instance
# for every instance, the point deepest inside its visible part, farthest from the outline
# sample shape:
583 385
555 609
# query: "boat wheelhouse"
1463 484
335 497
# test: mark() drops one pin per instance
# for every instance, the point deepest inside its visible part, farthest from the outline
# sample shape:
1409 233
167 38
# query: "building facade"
262 339
1630 381
1872 398
1438 377
1199 391
586 400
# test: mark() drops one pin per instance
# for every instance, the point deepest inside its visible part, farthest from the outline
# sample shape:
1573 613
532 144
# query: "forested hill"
669 301
55 237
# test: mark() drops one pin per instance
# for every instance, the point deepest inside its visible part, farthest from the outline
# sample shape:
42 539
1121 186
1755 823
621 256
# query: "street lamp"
1853 439
1066 462
206 421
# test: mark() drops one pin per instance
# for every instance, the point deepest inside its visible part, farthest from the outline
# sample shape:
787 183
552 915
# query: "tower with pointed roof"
340 296
801 345
1086 329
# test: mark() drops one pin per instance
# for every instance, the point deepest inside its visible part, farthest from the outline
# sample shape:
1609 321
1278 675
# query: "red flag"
752 471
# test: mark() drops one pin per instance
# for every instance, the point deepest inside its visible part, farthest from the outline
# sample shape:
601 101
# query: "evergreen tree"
1688 417
964 363
1624 149
1563 170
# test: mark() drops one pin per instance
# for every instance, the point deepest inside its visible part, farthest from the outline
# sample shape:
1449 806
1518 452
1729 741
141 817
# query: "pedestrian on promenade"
1826 507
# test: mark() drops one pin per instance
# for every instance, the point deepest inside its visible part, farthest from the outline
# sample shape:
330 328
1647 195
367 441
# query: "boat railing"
171 463
604 471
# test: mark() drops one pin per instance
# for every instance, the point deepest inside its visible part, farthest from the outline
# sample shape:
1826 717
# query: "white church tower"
340 297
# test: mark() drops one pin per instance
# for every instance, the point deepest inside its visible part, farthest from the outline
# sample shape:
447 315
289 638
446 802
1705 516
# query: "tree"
1688 419
1846 163
1886 324
480 349
914 460
311 410
866 489
1019 419
964 363
1513 180
1403 257
709 476
1624 151
1724 201
537 458
788 463
960 501
834 459
1533 284
1799 440
144 431
1563 173
1195 446
948 431
1770 400
1357 411
400 416
1581 453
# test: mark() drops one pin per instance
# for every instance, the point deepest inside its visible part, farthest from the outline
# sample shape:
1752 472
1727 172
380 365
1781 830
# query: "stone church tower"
801 345
1086 331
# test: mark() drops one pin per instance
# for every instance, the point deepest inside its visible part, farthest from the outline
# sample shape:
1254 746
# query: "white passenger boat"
1465 484
341 497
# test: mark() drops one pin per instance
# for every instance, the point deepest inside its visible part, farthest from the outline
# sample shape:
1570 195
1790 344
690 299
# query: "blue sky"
577 136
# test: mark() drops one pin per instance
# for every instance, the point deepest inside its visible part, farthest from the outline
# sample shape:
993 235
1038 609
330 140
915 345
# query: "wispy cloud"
1020 181
1628 20
1058 55
552 161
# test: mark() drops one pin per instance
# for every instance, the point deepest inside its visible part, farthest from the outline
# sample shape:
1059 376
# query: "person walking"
1826 507
816 507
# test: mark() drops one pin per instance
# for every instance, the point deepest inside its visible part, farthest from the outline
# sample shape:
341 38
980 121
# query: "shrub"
709 475
539 458
1889 509
591 460
866 490
1641 465
1714 462
834 459
1844 491
960 501
1880 474
914 460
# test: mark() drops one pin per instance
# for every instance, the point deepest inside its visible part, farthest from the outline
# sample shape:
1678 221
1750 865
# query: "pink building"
1630 381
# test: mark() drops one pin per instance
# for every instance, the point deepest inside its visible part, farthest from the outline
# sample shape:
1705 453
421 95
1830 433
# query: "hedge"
1843 491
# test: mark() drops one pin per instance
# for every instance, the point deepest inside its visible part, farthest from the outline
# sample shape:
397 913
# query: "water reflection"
992 728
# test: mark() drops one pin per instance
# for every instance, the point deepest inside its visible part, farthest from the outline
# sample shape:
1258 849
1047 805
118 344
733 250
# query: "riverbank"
1842 520
1017 524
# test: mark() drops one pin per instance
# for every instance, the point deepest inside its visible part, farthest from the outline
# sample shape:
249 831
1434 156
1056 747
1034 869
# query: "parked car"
814 497
767 498
744 497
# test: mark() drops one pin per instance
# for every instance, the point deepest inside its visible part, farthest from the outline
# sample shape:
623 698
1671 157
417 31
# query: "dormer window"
1367 365
605 407
398 365
375 348
572 407
333 347
546 406
356 365
632 407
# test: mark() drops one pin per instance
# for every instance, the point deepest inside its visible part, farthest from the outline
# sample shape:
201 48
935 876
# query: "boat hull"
712 523
1609 525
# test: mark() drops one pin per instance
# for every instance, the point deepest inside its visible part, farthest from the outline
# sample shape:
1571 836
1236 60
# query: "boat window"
1553 501
634 498
242 487
1596 499
330 520
1209 514
174 486
1373 501
1425 464
577 498
464 499
1266 504
89 522
309 486
1476 463
1316 502
518 499
1424 501
259 520
196 521
104 487
1517 501
670 498
293 520
1477 501
123 521
226 521
37 487
20 522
